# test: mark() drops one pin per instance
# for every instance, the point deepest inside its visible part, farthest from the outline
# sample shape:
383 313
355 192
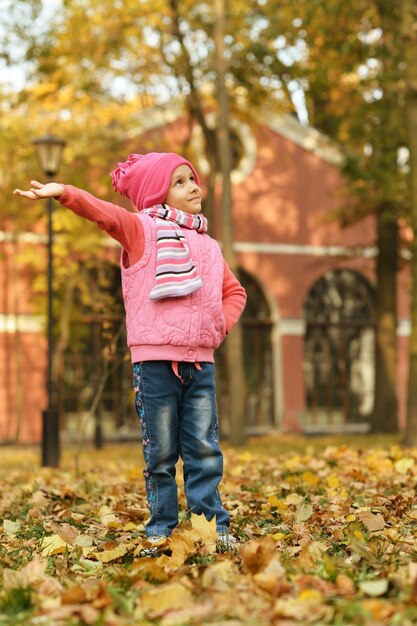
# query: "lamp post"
49 151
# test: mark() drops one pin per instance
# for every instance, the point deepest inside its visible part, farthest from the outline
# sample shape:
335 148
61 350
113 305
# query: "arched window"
339 349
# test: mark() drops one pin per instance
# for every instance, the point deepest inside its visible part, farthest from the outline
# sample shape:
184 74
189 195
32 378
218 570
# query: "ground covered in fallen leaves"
327 532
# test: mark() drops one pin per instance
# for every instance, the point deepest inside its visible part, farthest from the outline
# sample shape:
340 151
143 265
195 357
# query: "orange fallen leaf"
73 595
272 578
345 585
257 553
182 546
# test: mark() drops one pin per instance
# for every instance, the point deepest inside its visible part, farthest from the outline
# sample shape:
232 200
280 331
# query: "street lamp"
49 151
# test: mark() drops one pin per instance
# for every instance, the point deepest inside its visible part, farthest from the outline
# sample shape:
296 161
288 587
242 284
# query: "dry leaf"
157 601
206 530
68 533
181 546
373 521
107 517
272 578
303 512
89 614
73 595
345 585
53 544
26 577
220 576
257 553
111 555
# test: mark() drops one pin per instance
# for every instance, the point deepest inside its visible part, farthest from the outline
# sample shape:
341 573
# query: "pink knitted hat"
145 178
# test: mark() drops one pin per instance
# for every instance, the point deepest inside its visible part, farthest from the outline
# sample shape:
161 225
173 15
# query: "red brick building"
308 326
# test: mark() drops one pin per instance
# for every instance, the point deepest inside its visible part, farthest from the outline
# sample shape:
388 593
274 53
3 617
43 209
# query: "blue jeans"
179 419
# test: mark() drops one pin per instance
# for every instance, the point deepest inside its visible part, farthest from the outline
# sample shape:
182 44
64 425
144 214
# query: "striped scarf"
175 271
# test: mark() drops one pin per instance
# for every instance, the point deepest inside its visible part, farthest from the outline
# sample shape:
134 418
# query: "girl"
181 299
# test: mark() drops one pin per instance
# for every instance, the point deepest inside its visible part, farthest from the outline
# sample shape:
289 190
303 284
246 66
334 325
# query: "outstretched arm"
118 222
39 190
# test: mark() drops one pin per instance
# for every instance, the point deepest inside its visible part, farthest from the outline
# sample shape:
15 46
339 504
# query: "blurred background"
299 118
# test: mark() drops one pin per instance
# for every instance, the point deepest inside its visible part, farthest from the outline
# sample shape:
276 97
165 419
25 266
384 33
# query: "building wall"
283 236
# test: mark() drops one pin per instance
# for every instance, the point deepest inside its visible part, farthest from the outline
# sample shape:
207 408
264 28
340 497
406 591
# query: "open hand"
39 190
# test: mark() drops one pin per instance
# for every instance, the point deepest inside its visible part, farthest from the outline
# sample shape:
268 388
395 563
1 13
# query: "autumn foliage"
327 536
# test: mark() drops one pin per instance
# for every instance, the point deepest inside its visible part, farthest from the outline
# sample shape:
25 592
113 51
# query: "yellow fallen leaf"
130 526
111 555
205 529
403 465
293 498
311 595
280 536
350 518
359 535
333 481
148 568
54 544
310 479
292 463
182 546
158 600
274 501
108 518
220 576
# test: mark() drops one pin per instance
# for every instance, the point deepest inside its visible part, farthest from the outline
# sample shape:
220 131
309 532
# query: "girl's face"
184 193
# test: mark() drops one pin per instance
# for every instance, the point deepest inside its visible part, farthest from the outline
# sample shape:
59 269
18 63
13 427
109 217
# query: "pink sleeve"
234 298
116 221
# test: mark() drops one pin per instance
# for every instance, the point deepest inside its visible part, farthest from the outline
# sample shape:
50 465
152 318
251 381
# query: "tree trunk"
384 418
233 344
409 32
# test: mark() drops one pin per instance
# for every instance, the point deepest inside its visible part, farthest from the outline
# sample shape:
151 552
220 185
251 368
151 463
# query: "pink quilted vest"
186 328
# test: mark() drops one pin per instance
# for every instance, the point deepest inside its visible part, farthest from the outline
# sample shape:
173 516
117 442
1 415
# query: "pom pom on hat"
145 178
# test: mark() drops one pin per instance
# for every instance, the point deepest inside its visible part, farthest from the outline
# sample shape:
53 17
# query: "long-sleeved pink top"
123 226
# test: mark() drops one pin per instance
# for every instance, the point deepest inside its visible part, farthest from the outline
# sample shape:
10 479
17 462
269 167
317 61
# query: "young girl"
181 299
